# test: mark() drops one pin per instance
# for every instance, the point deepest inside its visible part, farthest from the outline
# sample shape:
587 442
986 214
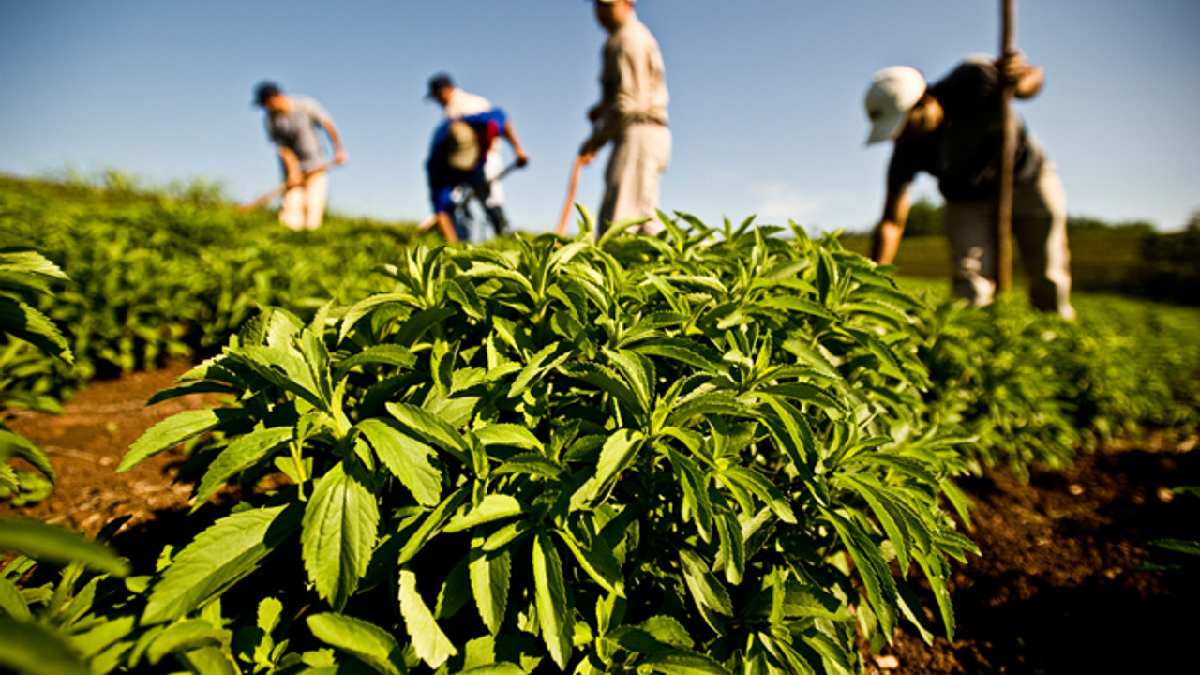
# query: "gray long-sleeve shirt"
633 82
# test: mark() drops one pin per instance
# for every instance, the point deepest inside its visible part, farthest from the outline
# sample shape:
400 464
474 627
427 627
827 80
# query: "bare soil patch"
1068 581
86 443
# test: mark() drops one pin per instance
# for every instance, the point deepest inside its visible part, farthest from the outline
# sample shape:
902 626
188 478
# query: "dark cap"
264 91
437 83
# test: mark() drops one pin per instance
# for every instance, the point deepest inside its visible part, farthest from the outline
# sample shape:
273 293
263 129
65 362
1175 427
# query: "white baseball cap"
892 94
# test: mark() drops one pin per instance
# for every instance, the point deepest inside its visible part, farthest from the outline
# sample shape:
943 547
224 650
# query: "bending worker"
952 129
291 123
457 103
457 157
632 115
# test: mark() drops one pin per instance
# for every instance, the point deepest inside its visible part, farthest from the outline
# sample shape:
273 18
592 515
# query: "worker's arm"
339 152
447 227
510 134
890 229
294 177
1027 79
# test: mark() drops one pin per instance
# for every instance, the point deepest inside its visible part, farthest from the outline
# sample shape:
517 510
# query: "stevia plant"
701 453
24 331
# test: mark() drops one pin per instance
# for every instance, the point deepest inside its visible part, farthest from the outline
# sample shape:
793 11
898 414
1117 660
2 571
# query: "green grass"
1100 259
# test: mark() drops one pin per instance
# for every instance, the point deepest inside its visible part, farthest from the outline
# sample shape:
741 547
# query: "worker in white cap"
952 129
632 115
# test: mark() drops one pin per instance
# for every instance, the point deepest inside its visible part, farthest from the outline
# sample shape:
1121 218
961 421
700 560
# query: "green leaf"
406 458
430 643
872 569
492 508
340 525
383 355
92 642
243 453
597 561
681 350
705 589
550 598
756 483
431 428
370 304
683 663
167 434
365 641
218 558
33 649
12 444
508 434
489 584
668 630
20 320
618 453
49 543
11 601
538 363
182 637
530 463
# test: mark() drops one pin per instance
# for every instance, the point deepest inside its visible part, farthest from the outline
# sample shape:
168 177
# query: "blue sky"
766 94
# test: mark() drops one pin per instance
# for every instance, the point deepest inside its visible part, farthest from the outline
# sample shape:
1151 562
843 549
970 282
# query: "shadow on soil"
1069 581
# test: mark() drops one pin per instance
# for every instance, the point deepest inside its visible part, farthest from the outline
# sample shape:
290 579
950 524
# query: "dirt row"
1068 582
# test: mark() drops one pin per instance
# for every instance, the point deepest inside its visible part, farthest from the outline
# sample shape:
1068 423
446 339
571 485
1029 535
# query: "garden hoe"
266 197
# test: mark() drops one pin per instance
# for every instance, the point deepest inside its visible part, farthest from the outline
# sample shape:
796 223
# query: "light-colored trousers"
639 158
1040 229
304 206
493 165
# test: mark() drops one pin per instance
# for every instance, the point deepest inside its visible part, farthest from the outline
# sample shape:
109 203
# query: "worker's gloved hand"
522 160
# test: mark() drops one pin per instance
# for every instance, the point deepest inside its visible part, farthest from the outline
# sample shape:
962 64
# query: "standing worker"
291 123
952 130
456 104
456 162
632 114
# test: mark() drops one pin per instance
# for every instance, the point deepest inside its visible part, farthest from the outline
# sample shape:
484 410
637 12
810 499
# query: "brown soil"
1067 583
88 440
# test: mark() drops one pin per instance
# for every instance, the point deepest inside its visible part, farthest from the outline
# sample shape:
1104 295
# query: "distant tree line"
925 217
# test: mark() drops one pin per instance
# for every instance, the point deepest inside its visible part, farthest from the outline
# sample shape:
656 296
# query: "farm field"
717 451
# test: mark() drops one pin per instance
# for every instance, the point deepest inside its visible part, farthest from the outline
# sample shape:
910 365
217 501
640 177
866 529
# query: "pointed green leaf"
493 507
241 454
183 636
218 558
550 598
340 526
489 584
365 641
50 543
430 643
619 452
406 458
33 649
167 434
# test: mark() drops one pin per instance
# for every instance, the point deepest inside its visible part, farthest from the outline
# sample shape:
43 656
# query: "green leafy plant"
700 453
23 329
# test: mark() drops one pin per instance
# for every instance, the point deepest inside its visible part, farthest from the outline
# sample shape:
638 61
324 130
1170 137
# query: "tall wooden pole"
1004 193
